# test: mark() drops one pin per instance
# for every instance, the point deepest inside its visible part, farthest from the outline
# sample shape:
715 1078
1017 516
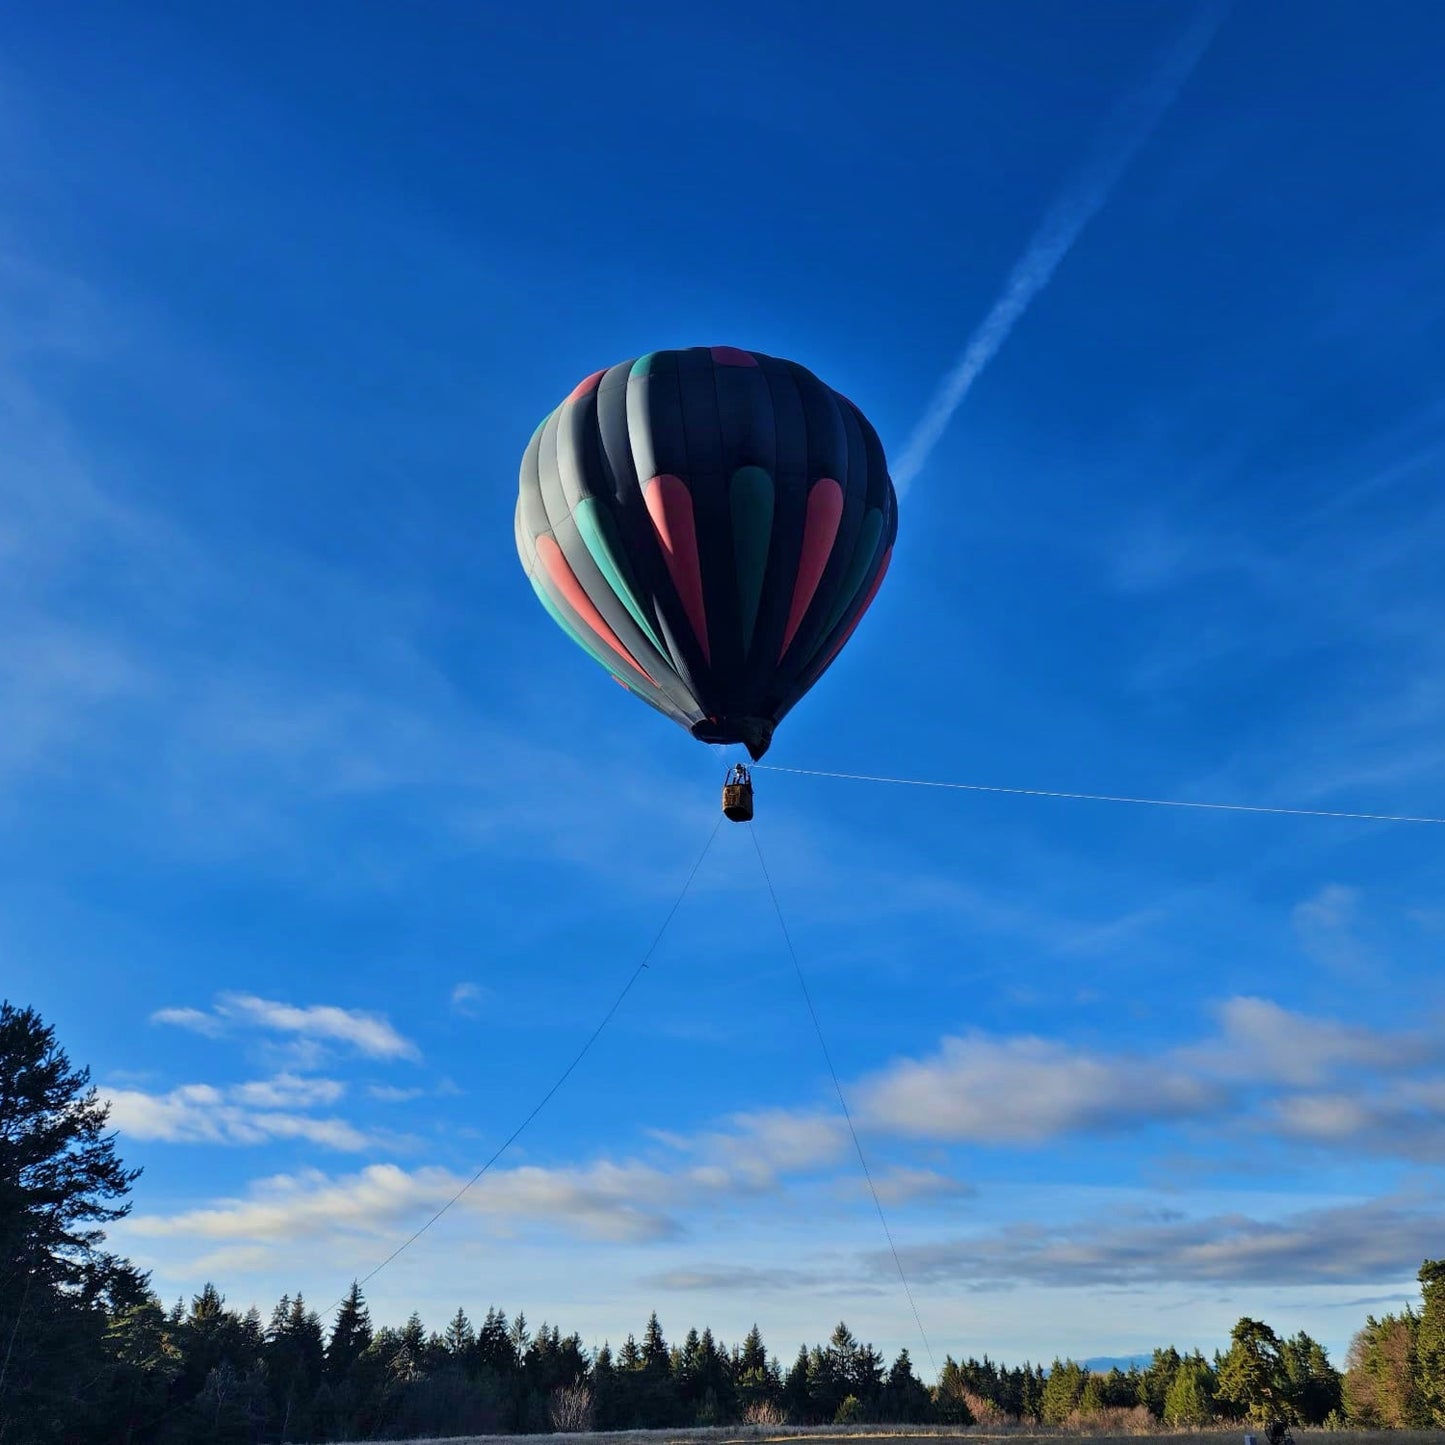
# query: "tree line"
89 1353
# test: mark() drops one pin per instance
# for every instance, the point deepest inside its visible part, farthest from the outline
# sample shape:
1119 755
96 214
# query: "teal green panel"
643 365
601 540
593 650
751 495
863 554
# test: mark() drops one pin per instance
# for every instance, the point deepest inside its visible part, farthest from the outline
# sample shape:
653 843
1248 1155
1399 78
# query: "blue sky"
326 851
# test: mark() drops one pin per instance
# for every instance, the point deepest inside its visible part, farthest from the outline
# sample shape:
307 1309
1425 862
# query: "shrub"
570 1408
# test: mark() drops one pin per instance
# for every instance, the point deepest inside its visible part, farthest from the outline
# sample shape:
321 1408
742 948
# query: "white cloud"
197 1020
289 1091
1026 1091
368 1033
1402 1118
779 1139
318 1024
603 1200
1258 1040
467 999
1353 1243
900 1185
1325 926
761 1146
251 1113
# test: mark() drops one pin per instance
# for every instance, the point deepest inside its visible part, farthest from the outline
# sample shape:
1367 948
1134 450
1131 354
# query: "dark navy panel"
701 415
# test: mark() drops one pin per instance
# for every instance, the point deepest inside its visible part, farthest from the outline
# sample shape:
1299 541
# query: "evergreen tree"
905 1397
686 1371
1380 1386
827 1385
295 1358
413 1337
605 1395
1153 1382
795 1390
1252 1375
658 1403
1190 1398
460 1338
713 1383
1116 1390
60 1182
754 1356
350 1335
1430 1343
950 1395
1062 1391
210 1335
495 1351
520 1338
654 1347
147 1361
1312 1384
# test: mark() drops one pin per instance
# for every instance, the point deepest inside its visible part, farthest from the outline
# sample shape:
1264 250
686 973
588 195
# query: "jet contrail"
1128 127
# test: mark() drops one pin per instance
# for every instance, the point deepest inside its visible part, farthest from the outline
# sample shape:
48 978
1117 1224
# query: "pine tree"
654 1347
949 1405
754 1356
795 1390
1153 1383
1252 1375
494 1344
60 1182
58 1170
1312 1384
350 1335
1190 1397
1062 1391
460 1338
905 1398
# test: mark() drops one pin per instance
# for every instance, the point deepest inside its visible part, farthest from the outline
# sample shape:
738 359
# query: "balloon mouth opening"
754 733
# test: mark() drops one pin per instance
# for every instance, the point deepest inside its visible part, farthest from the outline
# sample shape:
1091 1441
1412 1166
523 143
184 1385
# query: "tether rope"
842 1102
1099 797
561 1078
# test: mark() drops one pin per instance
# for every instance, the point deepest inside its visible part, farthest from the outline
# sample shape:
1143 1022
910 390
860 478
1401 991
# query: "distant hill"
1104 1363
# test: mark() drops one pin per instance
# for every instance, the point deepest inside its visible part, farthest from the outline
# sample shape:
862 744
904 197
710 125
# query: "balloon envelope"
709 525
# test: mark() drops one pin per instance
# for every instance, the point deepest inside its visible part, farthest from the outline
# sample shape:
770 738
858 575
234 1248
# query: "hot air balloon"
710 525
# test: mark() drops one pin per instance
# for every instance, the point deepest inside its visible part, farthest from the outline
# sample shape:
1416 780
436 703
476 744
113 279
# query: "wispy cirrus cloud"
1326 927
366 1033
1130 126
467 999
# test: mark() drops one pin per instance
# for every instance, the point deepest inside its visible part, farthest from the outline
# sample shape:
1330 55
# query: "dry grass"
1012 1434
